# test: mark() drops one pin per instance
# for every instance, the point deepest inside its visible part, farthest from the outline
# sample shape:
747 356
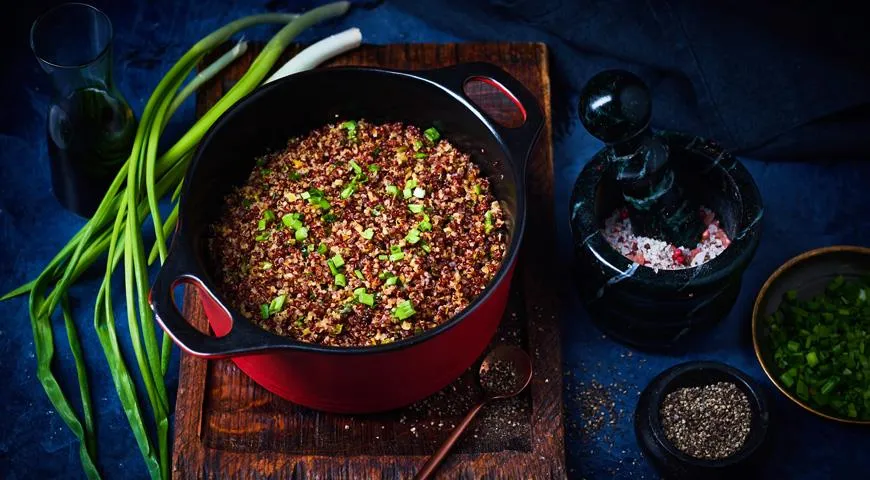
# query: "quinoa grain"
346 238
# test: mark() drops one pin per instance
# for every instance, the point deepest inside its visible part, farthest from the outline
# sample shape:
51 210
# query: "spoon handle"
437 457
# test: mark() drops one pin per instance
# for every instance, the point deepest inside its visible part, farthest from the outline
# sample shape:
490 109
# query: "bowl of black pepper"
702 420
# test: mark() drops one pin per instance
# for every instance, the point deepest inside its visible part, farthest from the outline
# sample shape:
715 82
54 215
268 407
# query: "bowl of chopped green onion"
811 331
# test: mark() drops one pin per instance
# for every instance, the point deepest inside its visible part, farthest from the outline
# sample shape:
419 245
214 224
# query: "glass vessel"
90 127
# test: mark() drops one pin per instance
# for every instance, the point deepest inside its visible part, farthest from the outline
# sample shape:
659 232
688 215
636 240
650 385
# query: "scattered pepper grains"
499 378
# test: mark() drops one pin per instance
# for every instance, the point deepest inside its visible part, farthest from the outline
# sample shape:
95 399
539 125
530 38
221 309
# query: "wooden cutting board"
227 426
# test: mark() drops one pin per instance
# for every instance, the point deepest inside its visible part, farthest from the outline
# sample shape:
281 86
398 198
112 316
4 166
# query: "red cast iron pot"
346 380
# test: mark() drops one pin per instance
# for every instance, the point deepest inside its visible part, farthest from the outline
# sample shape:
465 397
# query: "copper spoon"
514 360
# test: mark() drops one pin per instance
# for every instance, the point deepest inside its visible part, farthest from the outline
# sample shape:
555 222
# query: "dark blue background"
815 202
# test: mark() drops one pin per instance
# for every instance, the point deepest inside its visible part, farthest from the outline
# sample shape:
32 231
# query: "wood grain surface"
227 426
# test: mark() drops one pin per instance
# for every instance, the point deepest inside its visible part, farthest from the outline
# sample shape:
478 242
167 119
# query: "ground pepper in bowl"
709 422
359 234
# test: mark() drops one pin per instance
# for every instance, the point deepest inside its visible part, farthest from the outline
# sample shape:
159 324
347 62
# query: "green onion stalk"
115 231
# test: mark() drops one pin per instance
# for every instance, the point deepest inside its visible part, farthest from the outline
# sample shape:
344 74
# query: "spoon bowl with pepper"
505 372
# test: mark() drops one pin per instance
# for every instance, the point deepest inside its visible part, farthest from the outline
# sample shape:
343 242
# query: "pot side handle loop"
236 335
520 140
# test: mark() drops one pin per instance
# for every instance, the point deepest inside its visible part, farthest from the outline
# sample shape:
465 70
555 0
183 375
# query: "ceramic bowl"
808 274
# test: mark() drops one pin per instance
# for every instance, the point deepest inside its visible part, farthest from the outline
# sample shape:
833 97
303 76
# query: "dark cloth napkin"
766 79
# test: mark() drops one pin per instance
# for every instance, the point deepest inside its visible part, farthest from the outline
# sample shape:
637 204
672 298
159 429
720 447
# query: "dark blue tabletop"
808 204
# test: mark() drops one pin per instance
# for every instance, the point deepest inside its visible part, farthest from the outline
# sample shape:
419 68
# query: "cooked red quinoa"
359 234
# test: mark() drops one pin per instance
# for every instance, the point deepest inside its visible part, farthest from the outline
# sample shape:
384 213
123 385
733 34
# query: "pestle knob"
615 106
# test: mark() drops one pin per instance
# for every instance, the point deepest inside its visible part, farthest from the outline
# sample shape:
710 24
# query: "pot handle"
243 337
520 140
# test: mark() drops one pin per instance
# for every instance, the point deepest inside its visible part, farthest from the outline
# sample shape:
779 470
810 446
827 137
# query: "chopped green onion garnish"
350 125
383 257
337 260
366 299
392 280
316 197
349 190
261 225
819 346
264 311
431 134
411 183
407 193
392 190
263 236
426 248
415 208
374 168
396 253
424 225
477 189
355 167
332 268
829 385
413 236
487 221
266 265
368 233
292 220
359 275
340 280
294 176
338 329
420 155
787 379
322 203
305 195
301 234
321 249
268 215
417 144
404 309
277 304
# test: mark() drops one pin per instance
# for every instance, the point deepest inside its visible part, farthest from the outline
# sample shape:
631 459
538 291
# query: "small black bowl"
671 462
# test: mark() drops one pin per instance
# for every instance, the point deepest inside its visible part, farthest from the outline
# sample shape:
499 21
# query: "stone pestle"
615 107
